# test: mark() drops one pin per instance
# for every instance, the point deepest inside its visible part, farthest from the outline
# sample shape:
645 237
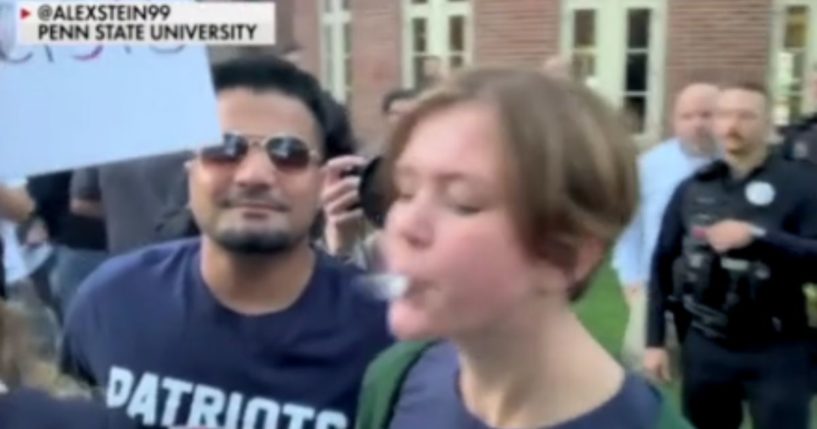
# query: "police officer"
800 138
730 265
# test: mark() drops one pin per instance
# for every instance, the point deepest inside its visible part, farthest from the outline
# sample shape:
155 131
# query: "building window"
794 50
617 48
583 46
637 68
438 38
336 48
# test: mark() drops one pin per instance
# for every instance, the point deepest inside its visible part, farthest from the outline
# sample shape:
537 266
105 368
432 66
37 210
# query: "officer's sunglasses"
285 152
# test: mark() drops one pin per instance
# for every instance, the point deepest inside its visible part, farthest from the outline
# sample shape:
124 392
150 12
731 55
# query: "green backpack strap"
670 418
385 376
382 382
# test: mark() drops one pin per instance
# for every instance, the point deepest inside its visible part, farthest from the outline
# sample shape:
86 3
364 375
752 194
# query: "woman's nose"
411 222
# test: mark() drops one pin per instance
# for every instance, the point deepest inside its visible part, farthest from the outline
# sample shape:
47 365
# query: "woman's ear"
588 256
571 263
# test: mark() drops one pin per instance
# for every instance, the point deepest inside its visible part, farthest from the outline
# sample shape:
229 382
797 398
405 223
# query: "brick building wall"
705 39
306 32
285 24
515 32
284 27
717 40
376 61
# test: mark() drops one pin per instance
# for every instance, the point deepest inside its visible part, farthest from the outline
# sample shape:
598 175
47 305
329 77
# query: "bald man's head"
692 119
558 66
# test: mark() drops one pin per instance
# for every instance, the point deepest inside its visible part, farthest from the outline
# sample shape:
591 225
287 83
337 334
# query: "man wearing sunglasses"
249 326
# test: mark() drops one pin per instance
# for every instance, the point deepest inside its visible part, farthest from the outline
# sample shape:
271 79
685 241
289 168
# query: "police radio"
696 265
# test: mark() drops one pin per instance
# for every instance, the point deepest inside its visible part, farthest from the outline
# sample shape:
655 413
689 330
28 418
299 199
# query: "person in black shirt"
737 245
800 137
80 240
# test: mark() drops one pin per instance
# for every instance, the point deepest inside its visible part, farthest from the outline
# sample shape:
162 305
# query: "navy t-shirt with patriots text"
168 354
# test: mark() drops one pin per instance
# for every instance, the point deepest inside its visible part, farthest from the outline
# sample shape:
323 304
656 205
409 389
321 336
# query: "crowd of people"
240 285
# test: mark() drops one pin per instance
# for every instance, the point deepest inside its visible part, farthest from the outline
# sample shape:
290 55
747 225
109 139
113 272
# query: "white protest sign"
67 107
8 26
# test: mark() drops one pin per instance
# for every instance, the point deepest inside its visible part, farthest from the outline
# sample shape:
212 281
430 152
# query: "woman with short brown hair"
509 187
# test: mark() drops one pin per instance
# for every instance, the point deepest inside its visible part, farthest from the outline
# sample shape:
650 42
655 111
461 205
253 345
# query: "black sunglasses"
284 151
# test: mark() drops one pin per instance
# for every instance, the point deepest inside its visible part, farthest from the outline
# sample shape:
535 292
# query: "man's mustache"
254 198
734 136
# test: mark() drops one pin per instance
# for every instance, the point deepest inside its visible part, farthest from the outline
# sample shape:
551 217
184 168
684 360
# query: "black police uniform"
800 139
741 315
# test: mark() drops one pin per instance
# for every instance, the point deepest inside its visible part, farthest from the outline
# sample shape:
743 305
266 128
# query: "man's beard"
256 243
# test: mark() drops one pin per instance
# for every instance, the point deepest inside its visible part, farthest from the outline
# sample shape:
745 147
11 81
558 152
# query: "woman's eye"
404 195
465 209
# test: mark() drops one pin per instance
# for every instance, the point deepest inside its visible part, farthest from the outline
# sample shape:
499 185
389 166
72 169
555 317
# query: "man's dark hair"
269 73
397 95
750 86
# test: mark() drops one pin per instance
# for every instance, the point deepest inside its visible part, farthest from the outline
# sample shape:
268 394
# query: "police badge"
760 193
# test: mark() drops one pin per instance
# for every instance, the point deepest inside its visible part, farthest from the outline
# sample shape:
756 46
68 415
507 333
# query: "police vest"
728 295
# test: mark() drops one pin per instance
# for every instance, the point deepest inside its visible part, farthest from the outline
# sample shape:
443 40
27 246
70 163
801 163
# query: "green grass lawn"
604 312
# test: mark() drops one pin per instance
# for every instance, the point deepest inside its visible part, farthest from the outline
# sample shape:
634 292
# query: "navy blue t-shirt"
146 326
430 399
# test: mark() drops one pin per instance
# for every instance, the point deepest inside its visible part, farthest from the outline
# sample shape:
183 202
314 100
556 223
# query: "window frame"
437 14
808 103
611 54
333 58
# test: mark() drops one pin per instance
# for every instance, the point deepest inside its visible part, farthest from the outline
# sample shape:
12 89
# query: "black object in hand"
373 193
352 171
